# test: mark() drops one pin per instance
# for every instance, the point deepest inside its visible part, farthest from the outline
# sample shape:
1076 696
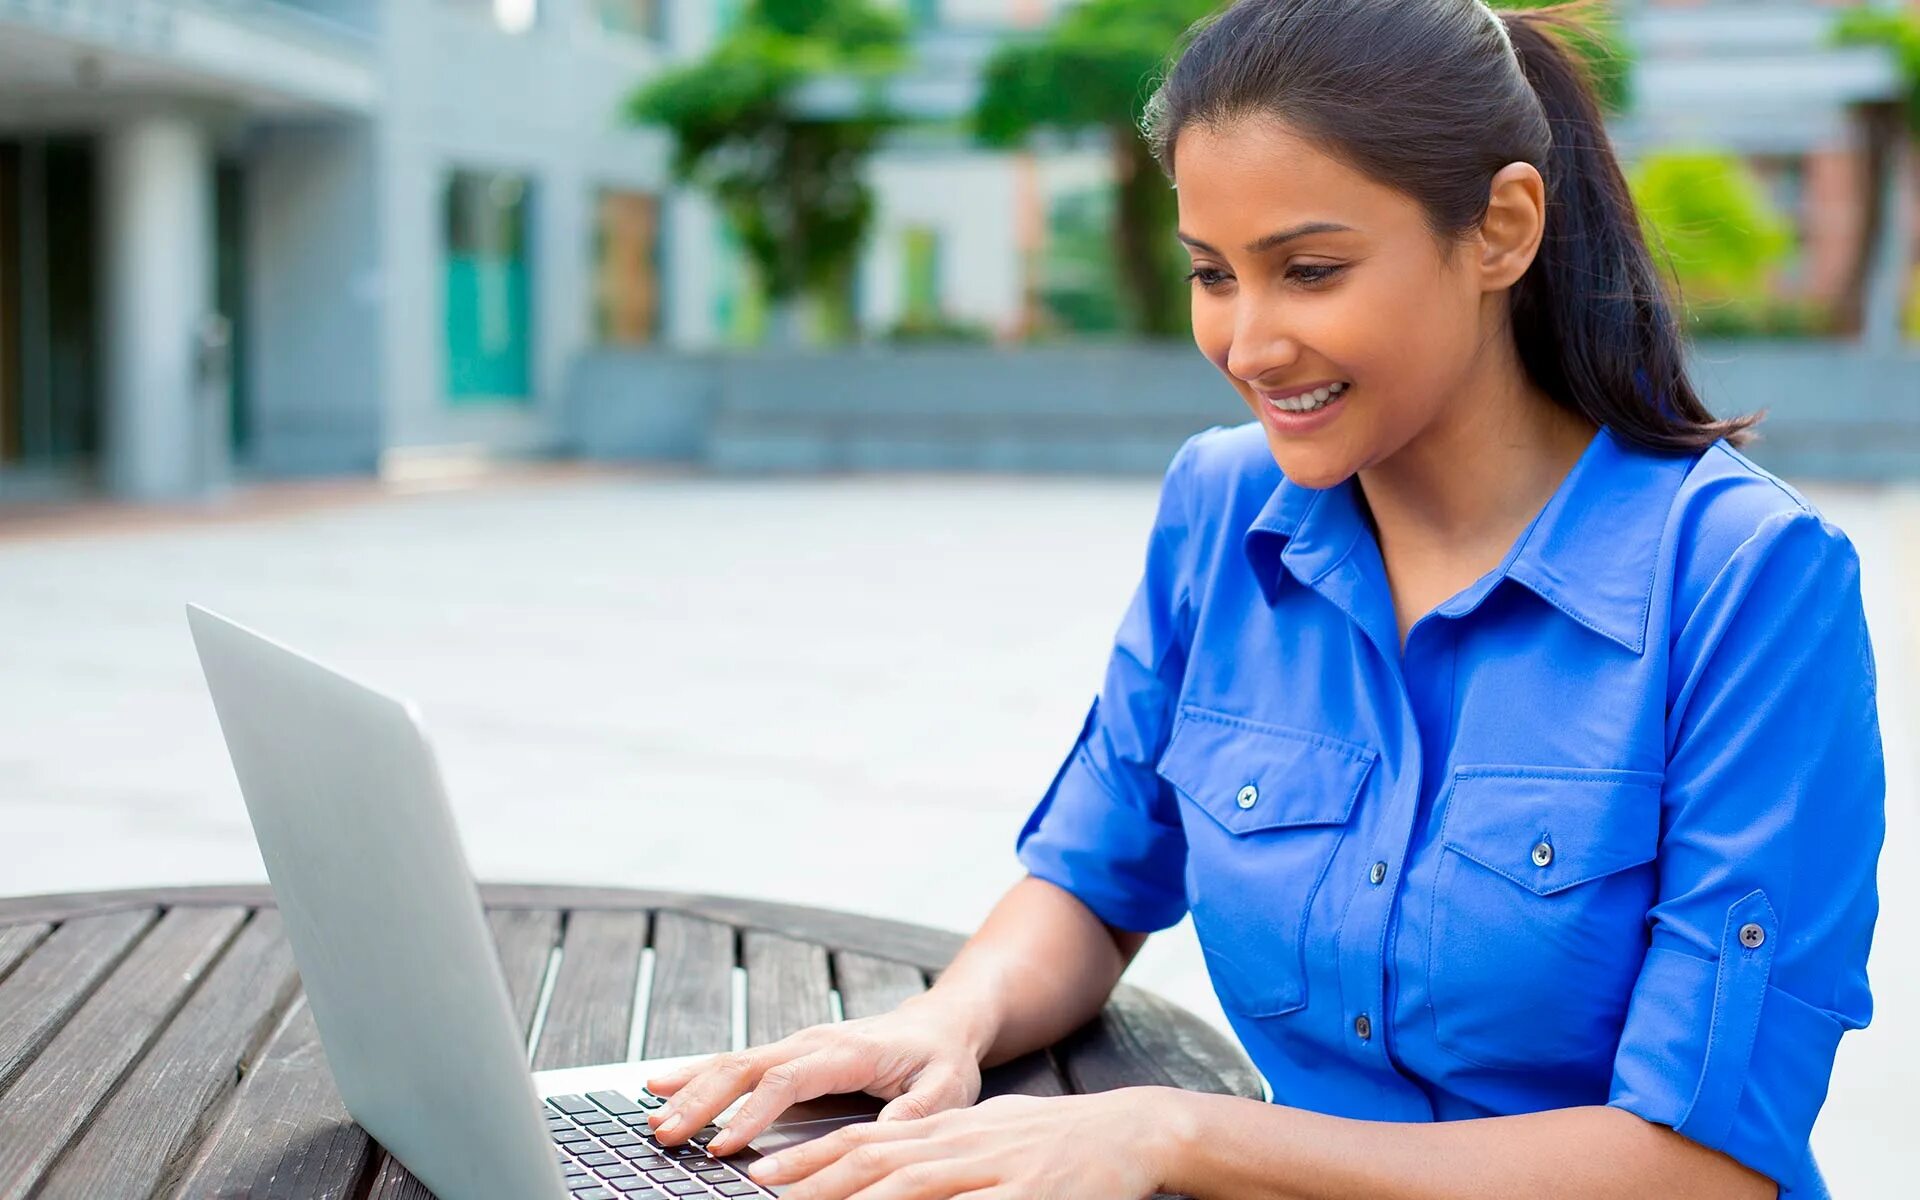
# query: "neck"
1471 481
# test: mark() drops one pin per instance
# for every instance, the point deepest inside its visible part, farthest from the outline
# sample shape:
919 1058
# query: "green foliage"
1898 32
1095 67
1709 218
1598 44
789 182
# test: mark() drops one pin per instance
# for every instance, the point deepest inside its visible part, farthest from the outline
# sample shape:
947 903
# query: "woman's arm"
1039 967
1220 1146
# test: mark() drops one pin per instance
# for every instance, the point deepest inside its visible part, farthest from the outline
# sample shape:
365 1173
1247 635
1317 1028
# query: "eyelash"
1307 275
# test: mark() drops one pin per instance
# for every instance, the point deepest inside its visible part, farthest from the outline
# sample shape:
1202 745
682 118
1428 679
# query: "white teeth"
1308 401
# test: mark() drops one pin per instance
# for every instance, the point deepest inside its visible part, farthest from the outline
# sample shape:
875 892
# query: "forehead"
1256 171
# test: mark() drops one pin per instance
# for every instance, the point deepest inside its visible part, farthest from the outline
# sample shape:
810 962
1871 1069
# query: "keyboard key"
598 1159
603 1126
621 1139
636 1189
715 1174
739 1187
564 1136
613 1102
573 1104
637 1153
592 1193
688 1188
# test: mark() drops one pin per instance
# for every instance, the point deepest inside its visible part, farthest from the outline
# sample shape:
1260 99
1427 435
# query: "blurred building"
410 216
317 236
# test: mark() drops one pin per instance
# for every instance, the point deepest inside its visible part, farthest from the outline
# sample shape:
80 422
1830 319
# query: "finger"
865 1166
721 1081
935 1091
786 1084
807 1158
931 1179
669 1082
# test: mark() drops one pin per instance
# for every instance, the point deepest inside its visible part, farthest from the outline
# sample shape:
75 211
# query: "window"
627 269
512 16
488 285
634 18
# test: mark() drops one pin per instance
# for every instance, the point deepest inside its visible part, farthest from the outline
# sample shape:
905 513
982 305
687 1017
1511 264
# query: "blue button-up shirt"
1604 833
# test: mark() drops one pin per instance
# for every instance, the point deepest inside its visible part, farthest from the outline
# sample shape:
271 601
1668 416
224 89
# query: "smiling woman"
1510 738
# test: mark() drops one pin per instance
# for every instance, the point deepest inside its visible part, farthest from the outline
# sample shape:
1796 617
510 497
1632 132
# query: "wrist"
1174 1139
969 1019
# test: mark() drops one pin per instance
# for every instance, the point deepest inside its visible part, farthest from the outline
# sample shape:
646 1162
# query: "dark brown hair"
1431 98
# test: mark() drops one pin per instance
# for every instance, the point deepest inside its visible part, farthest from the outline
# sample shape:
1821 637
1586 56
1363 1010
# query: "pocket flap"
1551 828
1249 776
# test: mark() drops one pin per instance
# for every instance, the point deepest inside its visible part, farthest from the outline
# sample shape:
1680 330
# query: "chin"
1307 468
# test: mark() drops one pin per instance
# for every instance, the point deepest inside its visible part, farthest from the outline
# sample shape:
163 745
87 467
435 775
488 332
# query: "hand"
1098 1147
918 1057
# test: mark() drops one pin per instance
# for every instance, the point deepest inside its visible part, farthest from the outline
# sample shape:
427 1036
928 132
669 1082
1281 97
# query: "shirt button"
1363 1027
1751 936
1247 796
1378 873
1542 854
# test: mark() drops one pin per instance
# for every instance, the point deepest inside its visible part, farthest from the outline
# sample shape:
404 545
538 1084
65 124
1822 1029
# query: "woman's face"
1370 309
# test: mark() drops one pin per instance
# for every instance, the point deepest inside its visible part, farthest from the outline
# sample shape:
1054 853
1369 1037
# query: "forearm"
1220 1146
1039 966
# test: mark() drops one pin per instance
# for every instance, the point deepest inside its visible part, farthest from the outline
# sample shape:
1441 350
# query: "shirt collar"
1591 551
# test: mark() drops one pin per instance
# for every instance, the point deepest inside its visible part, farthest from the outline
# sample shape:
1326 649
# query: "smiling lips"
1306 399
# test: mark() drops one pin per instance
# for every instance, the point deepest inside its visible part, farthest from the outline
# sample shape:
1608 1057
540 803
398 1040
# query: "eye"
1207 277
1312 274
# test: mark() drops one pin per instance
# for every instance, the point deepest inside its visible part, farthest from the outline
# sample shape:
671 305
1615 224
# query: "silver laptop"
386 927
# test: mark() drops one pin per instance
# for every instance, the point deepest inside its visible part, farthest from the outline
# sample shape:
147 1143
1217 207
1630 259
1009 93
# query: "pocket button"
1248 796
1542 854
1752 936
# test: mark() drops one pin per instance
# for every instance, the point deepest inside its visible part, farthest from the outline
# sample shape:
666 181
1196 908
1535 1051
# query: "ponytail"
1591 321
1432 97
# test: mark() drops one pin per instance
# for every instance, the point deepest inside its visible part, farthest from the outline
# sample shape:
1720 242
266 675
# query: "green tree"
1096 68
786 168
1720 233
1878 122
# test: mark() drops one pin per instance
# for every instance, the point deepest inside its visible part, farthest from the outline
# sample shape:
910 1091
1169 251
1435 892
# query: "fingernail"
764 1168
670 1124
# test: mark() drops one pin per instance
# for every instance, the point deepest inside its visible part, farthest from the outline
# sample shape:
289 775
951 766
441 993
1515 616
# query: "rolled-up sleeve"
1772 821
1107 828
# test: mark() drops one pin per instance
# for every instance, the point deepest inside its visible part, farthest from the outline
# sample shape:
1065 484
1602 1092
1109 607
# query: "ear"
1511 231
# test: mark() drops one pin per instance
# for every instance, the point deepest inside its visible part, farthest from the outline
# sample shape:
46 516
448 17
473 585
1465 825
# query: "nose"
1262 348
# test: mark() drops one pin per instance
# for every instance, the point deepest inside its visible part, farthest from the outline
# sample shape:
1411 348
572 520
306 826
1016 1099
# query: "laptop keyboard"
606 1153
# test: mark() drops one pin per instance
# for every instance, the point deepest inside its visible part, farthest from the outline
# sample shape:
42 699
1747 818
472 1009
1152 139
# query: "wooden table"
154 1043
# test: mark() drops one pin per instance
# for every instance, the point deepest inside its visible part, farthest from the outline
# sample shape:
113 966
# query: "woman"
1510 737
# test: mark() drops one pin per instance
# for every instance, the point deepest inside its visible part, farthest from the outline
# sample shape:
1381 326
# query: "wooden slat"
287 1135
42 992
54 1097
17 941
525 940
691 1010
788 988
928 949
590 1015
870 986
144 1137
395 1182
1029 1075
1140 1038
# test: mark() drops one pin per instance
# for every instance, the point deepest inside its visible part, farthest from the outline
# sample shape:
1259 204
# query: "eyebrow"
1272 240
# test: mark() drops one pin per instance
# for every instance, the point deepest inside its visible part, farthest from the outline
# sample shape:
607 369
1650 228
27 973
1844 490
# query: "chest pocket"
1264 808
1539 911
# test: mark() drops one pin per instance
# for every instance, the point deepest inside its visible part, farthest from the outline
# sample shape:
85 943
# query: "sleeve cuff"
1713 1051
1124 865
